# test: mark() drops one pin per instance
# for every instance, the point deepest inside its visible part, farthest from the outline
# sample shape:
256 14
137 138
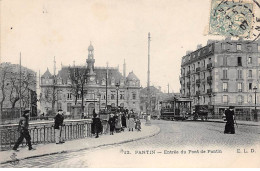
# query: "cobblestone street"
176 142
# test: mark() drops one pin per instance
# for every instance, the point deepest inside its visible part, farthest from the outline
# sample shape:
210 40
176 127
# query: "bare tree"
78 79
16 93
50 95
5 72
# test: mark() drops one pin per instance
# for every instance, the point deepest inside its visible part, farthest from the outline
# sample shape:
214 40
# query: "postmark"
233 18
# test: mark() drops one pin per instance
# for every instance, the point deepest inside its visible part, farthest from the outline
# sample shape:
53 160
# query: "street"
177 141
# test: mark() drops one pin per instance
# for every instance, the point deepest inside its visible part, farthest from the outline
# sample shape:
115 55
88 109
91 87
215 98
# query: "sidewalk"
81 144
251 123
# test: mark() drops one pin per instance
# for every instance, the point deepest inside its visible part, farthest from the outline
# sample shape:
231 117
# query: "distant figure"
96 126
118 124
123 118
58 121
131 124
138 124
111 122
23 130
229 127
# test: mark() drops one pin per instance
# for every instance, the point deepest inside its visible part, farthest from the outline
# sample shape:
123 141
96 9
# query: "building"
221 74
64 90
13 91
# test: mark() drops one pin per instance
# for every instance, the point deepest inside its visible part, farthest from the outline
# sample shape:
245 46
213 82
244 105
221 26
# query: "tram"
176 108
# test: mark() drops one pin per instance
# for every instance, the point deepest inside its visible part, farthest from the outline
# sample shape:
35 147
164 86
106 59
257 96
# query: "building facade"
221 74
96 84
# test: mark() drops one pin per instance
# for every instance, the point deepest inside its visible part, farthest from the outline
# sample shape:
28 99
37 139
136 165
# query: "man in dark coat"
58 121
123 121
229 128
24 132
96 125
112 122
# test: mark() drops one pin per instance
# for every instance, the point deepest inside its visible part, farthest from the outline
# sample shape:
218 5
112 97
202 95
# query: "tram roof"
179 99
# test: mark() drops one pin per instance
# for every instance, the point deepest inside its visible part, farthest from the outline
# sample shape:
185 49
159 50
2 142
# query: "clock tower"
91 75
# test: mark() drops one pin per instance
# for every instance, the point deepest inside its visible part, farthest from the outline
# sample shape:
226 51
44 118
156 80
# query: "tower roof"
90 47
132 76
47 74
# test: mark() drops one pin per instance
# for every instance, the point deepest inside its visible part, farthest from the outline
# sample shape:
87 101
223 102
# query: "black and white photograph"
130 83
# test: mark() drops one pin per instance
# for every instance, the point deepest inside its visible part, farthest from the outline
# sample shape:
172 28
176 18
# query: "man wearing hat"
58 120
23 129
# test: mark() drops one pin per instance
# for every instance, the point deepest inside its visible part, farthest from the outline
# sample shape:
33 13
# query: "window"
250 73
239 87
113 95
249 99
134 96
224 61
239 61
249 86
239 47
193 67
223 46
59 94
59 106
69 96
225 87
225 99
225 74
249 60
122 95
68 107
239 100
239 74
79 96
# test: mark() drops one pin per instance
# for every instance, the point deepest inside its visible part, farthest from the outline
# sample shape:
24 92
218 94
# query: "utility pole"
20 85
168 88
106 84
148 122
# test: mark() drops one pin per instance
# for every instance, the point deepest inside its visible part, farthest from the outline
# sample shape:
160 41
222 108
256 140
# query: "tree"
5 72
50 95
78 79
22 93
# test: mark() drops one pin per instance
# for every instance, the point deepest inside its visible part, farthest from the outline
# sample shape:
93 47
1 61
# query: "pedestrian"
123 118
23 130
111 122
96 126
118 125
229 127
58 120
138 124
131 121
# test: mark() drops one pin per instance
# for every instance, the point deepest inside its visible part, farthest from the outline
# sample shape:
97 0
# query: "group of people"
115 123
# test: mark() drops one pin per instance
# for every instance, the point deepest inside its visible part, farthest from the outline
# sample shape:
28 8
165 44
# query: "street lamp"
256 119
99 97
117 88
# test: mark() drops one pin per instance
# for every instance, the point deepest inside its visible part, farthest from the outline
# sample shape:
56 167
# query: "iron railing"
44 133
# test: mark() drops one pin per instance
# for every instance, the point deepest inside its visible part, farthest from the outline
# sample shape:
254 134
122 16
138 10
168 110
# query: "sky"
118 30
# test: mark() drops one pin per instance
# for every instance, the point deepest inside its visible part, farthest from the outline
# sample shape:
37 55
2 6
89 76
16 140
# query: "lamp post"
99 97
256 119
117 88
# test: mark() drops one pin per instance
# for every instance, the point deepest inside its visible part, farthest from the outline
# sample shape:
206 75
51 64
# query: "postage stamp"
232 18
